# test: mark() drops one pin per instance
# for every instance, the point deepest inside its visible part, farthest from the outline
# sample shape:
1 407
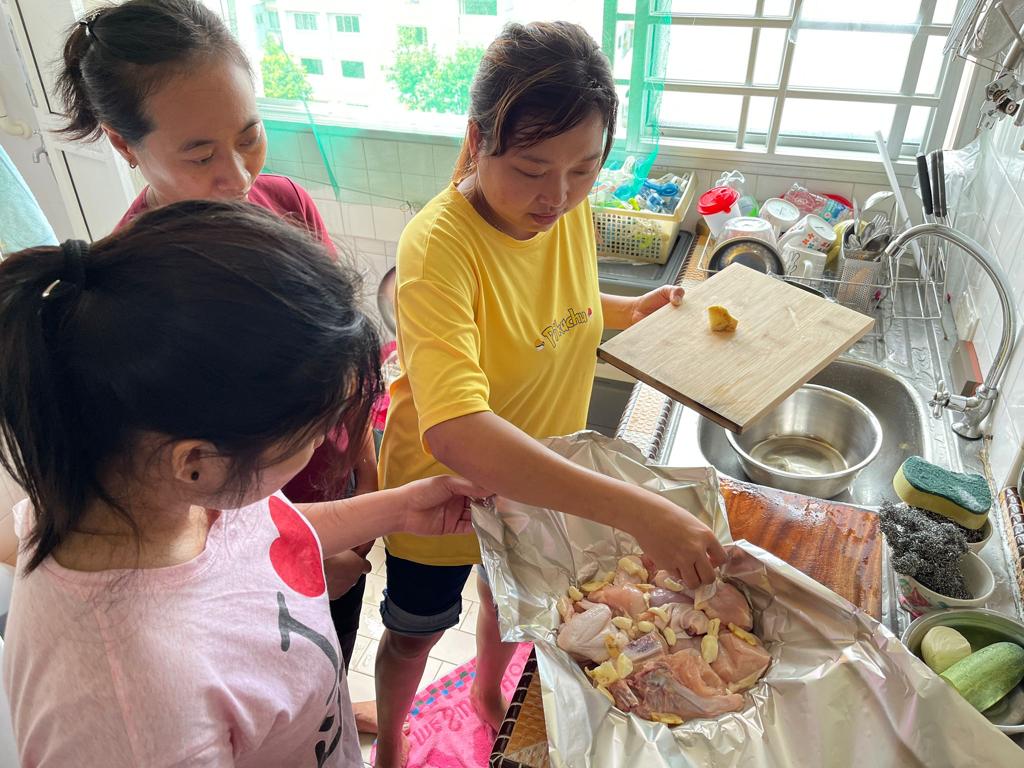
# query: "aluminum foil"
841 689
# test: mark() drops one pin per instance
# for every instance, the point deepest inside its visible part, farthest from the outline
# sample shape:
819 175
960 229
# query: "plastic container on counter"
748 226
717 206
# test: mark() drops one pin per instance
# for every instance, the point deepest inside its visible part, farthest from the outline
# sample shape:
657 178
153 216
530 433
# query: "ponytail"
81 119
115 58
203 320
45 448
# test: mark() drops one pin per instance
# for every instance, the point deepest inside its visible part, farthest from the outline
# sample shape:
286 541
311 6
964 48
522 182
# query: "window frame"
953 119
347 19
304 63
648 20
273 21
362 69
308 17
463 4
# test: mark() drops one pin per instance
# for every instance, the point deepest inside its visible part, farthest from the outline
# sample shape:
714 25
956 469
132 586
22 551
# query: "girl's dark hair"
116 57
536 81
202 320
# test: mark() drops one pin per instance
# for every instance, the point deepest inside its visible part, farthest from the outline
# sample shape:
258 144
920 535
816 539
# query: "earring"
132 164
195 476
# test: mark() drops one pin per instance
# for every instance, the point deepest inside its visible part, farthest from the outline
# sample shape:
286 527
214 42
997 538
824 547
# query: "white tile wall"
997 198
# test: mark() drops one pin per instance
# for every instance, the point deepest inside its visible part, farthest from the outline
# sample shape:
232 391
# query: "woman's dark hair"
116 57
537 81
202 320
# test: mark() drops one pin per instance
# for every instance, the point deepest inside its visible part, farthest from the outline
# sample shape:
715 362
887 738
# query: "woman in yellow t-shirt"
499 317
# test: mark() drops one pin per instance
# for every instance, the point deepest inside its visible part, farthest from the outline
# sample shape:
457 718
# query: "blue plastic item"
665 190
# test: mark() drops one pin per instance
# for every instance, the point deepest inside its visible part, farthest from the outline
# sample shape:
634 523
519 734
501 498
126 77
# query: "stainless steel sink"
896 406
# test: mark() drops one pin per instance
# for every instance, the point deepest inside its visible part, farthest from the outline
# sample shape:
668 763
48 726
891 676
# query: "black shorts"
422 599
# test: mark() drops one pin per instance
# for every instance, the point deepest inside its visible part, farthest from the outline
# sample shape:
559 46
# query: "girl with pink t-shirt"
159 387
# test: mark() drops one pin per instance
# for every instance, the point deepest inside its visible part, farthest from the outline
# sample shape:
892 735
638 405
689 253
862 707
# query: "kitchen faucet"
978 406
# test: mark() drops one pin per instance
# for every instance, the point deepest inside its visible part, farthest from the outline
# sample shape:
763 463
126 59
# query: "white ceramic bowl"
917 600
980 545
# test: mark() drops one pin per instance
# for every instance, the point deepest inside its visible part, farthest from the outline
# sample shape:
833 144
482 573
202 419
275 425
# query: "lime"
943 647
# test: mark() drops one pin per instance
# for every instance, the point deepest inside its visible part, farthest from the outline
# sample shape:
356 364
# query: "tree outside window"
428 82
282 77
417 35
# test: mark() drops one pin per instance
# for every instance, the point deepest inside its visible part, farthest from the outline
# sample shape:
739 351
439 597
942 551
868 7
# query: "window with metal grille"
274 21
788 75
353 69
347 23
305 21
313 66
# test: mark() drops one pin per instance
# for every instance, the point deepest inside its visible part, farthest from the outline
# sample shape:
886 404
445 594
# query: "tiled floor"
456 647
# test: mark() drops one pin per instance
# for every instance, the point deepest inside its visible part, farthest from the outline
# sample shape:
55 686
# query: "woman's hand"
620 312
655 300
439 505
343 571
677 541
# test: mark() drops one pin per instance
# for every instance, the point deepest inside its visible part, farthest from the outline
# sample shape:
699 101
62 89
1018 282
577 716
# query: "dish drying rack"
990 34
905 287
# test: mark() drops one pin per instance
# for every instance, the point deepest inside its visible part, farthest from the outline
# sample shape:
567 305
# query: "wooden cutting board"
837 545
785 336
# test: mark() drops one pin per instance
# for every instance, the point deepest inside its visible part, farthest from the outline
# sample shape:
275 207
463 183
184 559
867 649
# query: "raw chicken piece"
685 619
625 601
660 597
740 664
583 636
696 674
685 643
721 600
681 616
625 699
659 691
583 605
646 647
623 579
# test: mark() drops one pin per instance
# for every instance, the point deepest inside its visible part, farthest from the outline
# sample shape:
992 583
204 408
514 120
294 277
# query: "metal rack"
901 288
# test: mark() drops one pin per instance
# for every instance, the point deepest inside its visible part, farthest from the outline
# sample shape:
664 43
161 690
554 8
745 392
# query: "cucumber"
987 675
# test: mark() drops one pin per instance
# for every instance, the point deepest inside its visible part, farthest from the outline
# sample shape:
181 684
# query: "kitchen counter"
796 527
913 350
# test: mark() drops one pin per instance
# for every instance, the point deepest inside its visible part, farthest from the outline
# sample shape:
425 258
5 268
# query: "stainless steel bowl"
815 442
981 627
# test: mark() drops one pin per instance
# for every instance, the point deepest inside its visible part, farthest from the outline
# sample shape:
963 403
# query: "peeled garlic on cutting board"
719 319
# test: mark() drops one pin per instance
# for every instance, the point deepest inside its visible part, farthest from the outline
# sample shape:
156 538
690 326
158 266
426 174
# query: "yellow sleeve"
440 343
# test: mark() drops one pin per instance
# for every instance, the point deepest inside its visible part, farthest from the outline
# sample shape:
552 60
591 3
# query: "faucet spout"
975 409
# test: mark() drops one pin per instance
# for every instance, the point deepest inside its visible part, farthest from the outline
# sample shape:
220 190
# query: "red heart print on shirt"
295 554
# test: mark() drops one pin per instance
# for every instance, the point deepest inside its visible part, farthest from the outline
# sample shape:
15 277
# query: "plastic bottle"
735 180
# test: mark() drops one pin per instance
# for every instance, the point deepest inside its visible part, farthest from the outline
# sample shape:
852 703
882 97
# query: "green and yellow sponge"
963 498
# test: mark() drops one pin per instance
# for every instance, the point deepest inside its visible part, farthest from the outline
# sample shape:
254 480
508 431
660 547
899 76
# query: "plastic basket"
641 235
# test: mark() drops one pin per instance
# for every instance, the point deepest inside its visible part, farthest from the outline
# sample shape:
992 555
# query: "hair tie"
73 274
